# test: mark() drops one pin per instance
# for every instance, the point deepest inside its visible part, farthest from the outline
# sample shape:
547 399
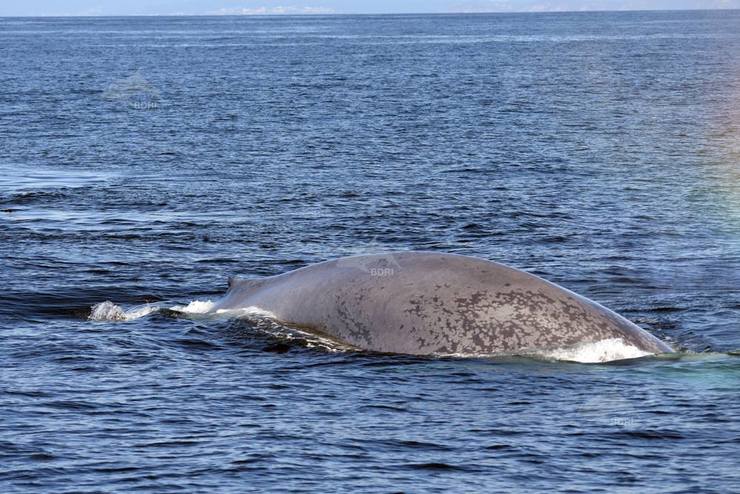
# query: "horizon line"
338 14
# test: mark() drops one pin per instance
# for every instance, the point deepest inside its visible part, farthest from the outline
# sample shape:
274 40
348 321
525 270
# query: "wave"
108 311
598 352
205 307
602 351
195 307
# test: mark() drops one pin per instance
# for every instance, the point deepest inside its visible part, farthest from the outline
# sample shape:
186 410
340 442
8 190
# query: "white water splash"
108 311
195 307
598 352
206 307
248 311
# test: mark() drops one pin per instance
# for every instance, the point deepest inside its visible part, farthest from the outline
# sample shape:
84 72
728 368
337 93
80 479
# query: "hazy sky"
154 7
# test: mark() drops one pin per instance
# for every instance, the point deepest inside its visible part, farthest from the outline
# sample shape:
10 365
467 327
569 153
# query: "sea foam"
108 311
195 307
597 352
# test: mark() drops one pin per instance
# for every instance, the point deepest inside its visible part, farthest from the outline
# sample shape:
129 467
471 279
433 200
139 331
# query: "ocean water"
143 161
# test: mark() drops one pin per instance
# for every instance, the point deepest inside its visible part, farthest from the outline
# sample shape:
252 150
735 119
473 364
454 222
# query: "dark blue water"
145 160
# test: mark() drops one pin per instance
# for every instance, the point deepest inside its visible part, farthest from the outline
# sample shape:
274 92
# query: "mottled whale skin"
427 303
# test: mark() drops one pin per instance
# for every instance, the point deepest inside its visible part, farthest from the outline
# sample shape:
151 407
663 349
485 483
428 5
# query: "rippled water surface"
146 160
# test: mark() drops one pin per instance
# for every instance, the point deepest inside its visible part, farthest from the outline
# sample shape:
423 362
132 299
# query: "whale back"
434 303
